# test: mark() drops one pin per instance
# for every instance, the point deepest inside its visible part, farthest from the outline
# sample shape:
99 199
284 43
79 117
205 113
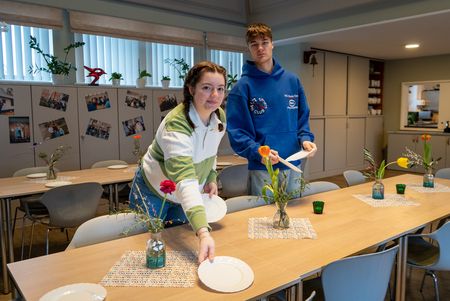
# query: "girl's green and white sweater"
186 156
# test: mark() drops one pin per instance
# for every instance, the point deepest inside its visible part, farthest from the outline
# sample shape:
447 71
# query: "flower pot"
59 79
165 83
115 82
156 251
140 83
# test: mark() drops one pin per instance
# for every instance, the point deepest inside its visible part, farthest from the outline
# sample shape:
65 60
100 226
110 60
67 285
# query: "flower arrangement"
55 156
375 172
154 221
137 148
426 160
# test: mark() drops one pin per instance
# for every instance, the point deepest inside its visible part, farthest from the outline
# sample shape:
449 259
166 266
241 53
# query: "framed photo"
97 101
53 129
6 101
98 129
19 129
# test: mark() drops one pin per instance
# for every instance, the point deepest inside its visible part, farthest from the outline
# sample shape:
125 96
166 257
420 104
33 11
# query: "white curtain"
232 61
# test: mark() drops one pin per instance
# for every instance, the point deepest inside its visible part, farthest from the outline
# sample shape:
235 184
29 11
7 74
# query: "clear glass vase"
378 190
51 173
156 251
428 178
281 218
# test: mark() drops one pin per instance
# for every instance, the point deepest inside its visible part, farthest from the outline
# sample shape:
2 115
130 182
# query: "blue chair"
354 177
318 187
443 173
243 202
233 181
364 277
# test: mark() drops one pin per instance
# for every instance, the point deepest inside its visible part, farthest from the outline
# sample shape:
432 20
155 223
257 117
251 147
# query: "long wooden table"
347 226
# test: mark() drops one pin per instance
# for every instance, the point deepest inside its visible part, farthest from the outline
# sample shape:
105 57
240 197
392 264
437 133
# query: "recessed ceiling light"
411 46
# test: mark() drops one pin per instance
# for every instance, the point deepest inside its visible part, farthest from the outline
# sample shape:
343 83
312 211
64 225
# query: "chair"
443 173
354 177
34 205
428 256
318 187
68 207
363 277
121 187
105 228
243 202
234 181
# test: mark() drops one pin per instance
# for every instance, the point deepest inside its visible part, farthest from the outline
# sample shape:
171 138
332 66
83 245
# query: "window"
232 61
125 56
16 56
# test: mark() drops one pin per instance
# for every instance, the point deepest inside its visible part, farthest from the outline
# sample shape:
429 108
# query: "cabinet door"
358 81
315 164
16 151
396 147
135 117
374 136
335 144
335 84
313 86
355 143
97 109
56 123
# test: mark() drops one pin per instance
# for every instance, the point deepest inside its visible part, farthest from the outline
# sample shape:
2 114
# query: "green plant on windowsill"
144 73
180 66
165 77
54 65
116 75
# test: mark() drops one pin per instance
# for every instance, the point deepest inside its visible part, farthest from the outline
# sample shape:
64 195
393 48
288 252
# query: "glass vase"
378 190
281 218
51 173
428 179
156 251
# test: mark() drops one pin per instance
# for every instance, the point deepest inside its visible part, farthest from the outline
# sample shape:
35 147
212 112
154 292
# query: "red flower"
264 151
137 137
167 186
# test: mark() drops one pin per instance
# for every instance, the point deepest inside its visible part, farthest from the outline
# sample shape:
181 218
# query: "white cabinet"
355 143
335 91
313 86
358 81
335 144
374 136
315 165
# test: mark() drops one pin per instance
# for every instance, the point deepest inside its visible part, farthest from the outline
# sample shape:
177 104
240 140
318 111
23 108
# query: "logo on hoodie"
258 106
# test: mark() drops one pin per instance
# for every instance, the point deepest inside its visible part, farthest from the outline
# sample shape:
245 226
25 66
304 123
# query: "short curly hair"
258 30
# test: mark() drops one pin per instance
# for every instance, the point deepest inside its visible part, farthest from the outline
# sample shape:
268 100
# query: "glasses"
400 188
318 207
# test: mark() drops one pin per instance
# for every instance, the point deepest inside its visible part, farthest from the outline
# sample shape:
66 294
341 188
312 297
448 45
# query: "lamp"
309 57
4 26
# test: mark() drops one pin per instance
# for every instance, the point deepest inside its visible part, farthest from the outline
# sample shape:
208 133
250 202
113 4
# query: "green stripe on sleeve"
197 218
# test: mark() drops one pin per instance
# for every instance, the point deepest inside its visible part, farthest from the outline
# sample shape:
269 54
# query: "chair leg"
436 284
46 241
31 239
23 238
14 222
423 280
67 234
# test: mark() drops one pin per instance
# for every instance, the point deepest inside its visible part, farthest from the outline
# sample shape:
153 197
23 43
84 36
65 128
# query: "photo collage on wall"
167 102
6 101
97 101
19 129
54 100
53 129
133 126
98 129
135 100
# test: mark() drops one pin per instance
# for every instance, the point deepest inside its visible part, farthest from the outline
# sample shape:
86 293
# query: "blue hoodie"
267 109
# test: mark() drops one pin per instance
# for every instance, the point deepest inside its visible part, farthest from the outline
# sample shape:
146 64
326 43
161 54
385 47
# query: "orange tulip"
264 151
137 136
426 137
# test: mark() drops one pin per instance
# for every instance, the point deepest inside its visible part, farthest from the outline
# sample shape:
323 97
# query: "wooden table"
347 226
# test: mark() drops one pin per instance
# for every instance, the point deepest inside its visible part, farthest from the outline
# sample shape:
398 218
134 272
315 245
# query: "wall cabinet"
375 136
358 80
315 165
355 142
335 84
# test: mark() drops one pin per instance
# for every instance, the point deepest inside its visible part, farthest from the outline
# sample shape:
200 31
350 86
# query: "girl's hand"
206 247
211 189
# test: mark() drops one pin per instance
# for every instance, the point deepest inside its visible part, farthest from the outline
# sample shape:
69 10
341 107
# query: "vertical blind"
16 56
232 61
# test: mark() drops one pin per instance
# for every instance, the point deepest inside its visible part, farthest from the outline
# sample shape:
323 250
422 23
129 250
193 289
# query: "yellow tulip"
403 162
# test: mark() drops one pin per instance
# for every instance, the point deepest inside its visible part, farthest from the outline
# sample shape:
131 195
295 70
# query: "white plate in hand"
225 274
57 184
76 292
37 175
299 155
215 208
118 166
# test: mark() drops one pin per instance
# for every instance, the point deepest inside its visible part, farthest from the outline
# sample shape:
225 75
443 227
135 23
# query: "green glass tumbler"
400 188
318 207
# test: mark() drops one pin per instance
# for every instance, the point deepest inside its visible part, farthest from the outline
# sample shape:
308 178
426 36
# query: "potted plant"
140 82
165 81
115 78
231 80
58 68
180 66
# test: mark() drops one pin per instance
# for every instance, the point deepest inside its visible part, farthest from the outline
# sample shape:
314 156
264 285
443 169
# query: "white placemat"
390 200
437 188
130 270
45 181
262 228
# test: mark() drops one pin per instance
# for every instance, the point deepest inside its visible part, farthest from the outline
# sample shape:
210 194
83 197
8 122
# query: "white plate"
224 163
57 183
215 208
118 166
225 274
299 155
37 175
76 292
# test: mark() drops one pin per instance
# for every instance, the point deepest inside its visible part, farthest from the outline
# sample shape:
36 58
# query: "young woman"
184 151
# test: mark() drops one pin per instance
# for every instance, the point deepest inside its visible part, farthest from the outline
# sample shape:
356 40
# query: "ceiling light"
411 46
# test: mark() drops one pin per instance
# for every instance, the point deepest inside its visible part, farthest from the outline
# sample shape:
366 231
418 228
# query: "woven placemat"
58 178
262 228
390 200
437 188
130 270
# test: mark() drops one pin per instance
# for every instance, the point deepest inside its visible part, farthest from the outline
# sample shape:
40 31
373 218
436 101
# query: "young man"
267 107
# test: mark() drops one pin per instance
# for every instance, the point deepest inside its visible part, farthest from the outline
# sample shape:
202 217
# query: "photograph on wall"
167 102
6 101
19 129
97 101
53 129
98 129
133 126
135 100
54 100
